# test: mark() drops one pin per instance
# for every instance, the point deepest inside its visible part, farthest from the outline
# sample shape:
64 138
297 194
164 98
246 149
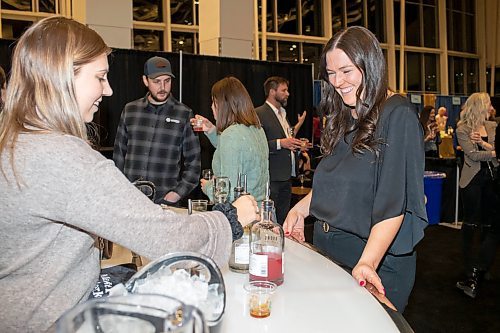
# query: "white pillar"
226 28
112 19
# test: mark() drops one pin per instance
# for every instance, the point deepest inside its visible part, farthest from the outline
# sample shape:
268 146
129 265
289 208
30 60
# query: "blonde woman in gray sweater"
476 136
57 194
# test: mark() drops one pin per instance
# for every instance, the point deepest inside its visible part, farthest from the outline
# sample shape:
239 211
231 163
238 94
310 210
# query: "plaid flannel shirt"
157 143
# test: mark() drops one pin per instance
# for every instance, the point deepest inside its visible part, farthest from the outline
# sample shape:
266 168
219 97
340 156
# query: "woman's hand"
294 225
476 137
207 125
364 272
203 183
246 208
294 222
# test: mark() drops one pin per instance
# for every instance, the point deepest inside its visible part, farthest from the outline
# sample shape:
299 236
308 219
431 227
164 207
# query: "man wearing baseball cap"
154 139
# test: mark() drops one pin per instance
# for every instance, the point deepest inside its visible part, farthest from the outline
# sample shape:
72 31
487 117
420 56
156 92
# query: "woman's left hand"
363 273
203 183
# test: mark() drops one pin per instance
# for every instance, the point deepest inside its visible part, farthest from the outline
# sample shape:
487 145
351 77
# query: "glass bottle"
240 250
267 245
238 190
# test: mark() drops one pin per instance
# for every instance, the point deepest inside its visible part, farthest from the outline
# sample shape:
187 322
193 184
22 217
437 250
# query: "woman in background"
432 139
240 142
58 195
476 136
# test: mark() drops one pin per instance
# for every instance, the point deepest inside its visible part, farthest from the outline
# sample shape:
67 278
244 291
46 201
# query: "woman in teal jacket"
240 141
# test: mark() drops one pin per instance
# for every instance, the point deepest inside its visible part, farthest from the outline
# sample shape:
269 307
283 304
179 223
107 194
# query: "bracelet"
230 212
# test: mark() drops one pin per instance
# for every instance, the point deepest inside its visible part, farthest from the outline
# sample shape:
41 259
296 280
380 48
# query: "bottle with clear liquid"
267 247
240 250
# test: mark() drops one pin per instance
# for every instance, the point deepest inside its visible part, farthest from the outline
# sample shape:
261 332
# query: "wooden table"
299 190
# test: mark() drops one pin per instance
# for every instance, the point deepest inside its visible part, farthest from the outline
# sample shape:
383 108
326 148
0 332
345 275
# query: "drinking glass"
303 143
199 205
302 178
222 186
259 297
198 125
207 174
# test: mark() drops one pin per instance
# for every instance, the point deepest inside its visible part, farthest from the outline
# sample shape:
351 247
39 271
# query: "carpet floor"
435 305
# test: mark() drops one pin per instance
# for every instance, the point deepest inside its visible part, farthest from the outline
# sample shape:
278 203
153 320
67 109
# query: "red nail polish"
287 233
362 283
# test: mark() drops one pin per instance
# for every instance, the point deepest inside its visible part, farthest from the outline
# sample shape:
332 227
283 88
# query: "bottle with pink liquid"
267 247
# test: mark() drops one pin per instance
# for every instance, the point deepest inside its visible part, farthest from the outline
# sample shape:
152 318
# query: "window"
150 27
371 18
13 29
375 16
421 23
337 15
288 52
421 72
181 12
147 10
461 25
287 17
312 18
22 14
413 72
311 54
184 41
463 75
148 40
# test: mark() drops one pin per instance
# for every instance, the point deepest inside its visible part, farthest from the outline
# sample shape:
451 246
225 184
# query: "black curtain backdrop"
199 74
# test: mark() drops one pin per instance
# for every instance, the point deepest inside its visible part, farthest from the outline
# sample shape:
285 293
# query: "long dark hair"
363 49
424 117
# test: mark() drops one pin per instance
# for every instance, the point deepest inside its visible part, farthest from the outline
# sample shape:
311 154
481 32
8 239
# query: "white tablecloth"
317 296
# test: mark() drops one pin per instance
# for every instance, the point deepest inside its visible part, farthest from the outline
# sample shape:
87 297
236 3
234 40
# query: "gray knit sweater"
68 193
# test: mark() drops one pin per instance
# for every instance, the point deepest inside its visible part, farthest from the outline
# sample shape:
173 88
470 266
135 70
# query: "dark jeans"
480 214
281 194
397 272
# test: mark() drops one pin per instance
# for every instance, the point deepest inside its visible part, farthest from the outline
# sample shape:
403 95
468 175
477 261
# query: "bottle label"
242 254
258 265
282 262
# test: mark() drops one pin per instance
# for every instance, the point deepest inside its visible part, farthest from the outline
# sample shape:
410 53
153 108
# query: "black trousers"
396 272
481 214
281 194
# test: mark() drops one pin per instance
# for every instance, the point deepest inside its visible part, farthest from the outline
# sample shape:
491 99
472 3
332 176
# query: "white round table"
317 296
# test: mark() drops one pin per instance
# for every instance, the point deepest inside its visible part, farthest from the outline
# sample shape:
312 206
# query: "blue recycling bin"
433 188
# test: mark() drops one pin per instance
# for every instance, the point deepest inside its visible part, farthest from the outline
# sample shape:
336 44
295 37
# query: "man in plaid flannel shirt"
155 140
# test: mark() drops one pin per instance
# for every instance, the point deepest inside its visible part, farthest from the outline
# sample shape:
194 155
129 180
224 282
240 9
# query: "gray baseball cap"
157 66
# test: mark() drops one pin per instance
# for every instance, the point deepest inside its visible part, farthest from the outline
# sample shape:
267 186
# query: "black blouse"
353 192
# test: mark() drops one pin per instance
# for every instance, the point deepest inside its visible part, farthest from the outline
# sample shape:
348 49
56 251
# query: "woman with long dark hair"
432 138
368 188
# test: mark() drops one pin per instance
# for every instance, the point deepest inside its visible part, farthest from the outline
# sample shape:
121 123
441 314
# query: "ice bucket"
131 314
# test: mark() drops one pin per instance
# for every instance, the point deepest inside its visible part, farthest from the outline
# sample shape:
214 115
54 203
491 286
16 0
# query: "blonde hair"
475 110
41 92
